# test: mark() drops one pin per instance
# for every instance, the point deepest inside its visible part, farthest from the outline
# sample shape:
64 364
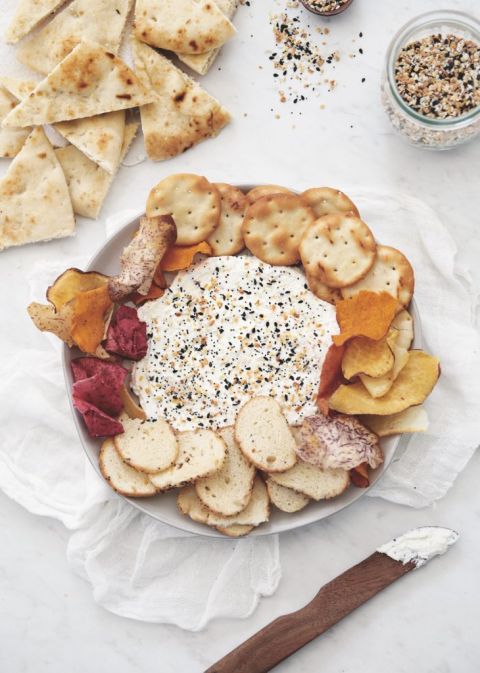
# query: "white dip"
420 545
227 329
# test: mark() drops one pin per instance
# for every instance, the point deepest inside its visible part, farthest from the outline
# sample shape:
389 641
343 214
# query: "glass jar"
419 130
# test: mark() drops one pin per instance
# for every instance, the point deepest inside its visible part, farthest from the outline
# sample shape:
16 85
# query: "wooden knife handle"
335 600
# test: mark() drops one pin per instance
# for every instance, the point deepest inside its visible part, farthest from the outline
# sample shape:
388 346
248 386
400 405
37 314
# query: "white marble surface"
428 622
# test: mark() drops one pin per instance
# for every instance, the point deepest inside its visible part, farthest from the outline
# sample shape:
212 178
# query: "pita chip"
99 137
35 203
12 139
28 15
19 88
89 81
88 183
101 21
201 63
184 26
184 113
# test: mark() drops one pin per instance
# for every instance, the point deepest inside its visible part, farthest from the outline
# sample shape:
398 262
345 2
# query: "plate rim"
191 526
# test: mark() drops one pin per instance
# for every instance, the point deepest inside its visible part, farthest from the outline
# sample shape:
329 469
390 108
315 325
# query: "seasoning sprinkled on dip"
228 329
438 76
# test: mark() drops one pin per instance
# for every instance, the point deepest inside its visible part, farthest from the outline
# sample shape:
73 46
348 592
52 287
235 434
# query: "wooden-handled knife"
335 600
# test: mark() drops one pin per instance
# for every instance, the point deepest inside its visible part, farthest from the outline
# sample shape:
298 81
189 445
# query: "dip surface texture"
226 330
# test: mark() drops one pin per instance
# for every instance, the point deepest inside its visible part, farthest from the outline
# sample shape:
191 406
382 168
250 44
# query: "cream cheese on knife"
228 329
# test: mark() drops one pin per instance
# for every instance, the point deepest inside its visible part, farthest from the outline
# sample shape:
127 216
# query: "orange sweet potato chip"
359 476
91 311
154 293
366 314
181 257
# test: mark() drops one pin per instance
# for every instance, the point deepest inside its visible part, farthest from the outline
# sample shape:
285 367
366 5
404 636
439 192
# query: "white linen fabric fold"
144 570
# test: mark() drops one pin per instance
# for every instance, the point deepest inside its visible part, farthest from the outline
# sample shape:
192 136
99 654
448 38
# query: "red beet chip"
98 424
84 368
127 335
101 390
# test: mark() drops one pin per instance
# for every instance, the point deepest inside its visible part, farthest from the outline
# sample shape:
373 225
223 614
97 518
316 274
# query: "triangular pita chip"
201 63
11 140
35 203
89 81
28 15
19 88
184 113
99 137
185 26
88 183
101 21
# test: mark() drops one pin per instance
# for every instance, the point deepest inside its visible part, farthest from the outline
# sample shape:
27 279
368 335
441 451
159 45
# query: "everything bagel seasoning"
326 5
439 76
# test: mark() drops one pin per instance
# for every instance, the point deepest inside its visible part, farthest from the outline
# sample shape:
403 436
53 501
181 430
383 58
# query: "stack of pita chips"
86 96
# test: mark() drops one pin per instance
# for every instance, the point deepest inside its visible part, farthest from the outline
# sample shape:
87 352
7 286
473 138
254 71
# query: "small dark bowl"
341 9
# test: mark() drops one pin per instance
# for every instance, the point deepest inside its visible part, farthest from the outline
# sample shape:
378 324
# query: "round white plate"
163 507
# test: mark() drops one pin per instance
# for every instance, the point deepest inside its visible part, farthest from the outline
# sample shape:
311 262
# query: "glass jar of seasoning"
431 83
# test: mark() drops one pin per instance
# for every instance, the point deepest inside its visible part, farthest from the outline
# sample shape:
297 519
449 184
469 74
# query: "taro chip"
98 423
367 314
127 334
71 283
90 314
179 258
46 319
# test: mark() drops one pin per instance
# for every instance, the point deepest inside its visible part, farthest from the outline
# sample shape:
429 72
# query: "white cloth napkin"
144 570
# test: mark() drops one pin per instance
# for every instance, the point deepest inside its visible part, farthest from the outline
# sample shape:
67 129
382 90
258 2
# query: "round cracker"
265 190
391 272
227 239
193 203
328 201
273 228
322 291
338 250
